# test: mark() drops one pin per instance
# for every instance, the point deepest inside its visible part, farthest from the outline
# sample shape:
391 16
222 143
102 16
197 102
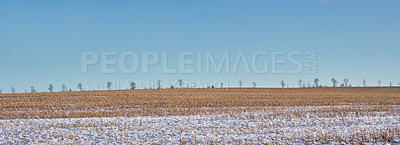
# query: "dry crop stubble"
166 102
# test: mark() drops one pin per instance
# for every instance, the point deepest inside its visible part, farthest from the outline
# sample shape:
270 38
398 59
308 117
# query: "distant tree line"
335 83
180 83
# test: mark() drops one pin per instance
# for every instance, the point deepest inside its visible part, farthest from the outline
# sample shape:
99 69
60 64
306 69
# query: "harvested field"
167 102
203 116
267 125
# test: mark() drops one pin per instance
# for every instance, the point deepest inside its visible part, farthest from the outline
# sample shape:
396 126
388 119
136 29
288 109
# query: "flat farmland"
205 116
166 102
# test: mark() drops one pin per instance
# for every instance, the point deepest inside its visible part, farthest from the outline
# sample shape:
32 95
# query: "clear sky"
41 42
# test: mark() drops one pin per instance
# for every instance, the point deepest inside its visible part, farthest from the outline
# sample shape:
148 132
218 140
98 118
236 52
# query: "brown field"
167 102
220 116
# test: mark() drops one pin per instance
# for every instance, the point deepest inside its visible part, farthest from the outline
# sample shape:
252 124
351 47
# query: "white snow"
247 127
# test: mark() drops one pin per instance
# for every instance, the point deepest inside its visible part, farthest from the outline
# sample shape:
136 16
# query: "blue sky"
41 42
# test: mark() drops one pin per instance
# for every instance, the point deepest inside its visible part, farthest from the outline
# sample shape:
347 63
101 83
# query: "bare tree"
13 89
64 88
334 82
133 85
379 83
346 81
316 81
159 84
300 82
365 82
254 84
180 81
80 87
283 84
33 89
222 84
51 87
240 83
109 85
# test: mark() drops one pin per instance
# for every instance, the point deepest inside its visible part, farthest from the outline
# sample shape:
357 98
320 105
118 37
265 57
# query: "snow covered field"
271 125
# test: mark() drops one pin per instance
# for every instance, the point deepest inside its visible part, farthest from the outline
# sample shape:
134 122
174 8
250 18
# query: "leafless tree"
222 84
283 84
379 83
316 81
109 85
159 84
334 82
33 89
180 81
240 83
346 81
64 88
254 84
300 82
365 82
13 89
80 87
133 85
51 87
